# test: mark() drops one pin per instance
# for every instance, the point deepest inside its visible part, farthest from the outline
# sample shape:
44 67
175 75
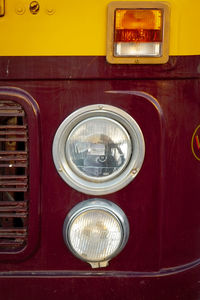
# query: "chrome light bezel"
106 206
93 186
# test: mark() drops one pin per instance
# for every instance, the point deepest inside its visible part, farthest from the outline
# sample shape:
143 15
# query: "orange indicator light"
138 25
138 32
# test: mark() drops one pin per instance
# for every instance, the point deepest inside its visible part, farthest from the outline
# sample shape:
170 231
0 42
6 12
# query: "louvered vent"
13 177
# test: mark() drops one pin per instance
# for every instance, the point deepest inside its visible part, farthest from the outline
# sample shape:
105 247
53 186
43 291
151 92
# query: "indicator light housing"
138 32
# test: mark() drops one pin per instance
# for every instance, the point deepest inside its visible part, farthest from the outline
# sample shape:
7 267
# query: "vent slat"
13 152
2 189
13 177
12 132
13 215
13 203
13 233
15 165
11 243
12 236
23 183
14 207
21 231
11 114
10 107
16 158
11 209
7 127
13 139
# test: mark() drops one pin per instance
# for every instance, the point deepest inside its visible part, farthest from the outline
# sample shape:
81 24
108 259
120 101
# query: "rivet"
20 10
50 10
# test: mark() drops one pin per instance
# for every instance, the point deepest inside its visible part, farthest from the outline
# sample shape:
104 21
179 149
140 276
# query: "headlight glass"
95 235
98 147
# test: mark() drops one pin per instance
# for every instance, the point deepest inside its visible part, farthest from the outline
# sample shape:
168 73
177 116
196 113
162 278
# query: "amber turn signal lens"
138 32
138 25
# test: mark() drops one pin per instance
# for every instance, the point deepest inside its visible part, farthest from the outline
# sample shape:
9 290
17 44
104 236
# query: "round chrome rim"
97 204
86 184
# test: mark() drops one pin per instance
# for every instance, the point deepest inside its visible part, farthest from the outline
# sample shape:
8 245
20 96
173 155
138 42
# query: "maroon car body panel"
162 256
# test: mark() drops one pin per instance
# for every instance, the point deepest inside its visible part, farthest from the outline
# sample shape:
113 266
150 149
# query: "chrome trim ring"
90 185
103 205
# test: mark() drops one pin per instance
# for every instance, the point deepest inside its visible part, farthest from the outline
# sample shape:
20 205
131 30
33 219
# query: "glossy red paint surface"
93 67
161 259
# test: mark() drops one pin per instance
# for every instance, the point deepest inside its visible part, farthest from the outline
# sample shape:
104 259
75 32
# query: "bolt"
134 171
34 7
50 10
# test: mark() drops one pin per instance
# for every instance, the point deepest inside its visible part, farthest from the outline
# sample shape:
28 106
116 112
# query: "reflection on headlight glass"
99 147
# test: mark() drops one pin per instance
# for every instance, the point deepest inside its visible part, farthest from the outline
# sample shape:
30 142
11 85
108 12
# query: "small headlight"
95 231
98 149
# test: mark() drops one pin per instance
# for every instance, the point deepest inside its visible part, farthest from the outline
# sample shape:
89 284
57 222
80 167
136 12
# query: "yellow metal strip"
79 27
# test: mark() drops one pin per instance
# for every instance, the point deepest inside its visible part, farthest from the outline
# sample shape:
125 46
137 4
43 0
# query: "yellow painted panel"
63 27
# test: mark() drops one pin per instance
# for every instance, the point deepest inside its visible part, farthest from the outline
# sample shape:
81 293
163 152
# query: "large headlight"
95 231
98 149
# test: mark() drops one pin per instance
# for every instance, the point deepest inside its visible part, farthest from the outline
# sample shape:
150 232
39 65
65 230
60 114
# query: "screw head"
34 7
134 171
